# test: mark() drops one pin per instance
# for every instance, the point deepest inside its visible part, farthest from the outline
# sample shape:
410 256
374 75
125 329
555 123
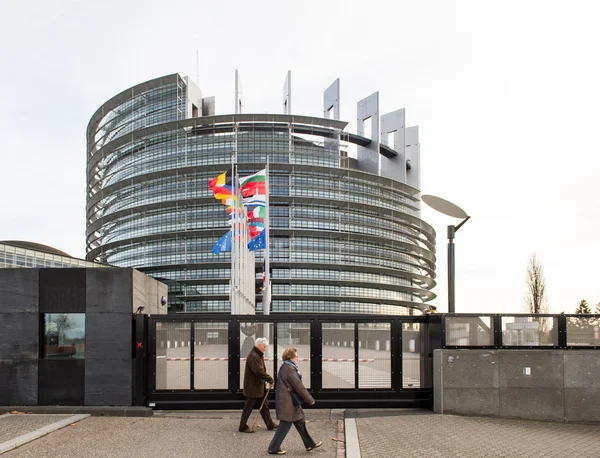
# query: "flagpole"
267 284
233 293
235 251
240 252
250 268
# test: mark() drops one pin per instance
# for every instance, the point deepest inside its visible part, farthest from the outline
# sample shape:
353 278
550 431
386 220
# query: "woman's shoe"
318 444
280 452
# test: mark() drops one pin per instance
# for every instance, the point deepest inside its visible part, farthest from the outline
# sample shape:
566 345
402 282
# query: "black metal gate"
196 361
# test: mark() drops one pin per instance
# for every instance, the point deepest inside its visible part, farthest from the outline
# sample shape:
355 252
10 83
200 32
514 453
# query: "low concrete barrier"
556 385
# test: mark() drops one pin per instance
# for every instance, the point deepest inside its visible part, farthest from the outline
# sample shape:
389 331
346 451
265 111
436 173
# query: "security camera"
163 301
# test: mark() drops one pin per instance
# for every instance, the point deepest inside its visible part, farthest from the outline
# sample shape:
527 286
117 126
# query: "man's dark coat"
255 375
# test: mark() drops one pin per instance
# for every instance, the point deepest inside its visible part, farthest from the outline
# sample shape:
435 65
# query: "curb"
352 445
94 411
18 441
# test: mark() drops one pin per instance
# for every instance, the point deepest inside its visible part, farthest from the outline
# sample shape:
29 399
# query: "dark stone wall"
62 290
61 381
108 366
104 377
19 336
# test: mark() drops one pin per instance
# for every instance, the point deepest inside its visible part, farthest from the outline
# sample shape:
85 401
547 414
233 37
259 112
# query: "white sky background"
506 96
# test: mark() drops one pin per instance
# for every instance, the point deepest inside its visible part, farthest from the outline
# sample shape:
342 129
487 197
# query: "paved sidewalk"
18 429
178 434
457 436
381 434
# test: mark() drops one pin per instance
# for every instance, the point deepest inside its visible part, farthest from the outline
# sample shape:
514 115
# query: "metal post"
448 208
140 378
451 231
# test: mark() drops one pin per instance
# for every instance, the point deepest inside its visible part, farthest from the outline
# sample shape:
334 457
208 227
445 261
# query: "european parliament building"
345 228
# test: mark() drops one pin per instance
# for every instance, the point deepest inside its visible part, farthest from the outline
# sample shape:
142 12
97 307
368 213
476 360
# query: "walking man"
255 377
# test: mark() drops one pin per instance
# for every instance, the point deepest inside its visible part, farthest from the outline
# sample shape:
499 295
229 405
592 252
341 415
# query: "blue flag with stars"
259 242
224 244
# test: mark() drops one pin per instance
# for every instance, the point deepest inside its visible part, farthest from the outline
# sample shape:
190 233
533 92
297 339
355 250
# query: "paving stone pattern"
458 436
341 444
13 426
177 434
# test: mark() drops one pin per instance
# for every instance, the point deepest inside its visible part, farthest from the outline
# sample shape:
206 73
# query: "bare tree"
63 323
535 297
597 309
584 308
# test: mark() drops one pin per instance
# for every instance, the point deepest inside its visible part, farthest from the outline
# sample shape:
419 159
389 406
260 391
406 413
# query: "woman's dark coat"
288 381
255 375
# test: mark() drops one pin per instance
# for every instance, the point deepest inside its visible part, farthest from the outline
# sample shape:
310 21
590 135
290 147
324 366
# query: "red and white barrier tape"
347 360
325 360
195 359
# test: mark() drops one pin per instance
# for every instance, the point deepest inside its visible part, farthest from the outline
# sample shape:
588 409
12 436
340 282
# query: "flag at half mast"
255 192
257 213
254 184
223 245
256 200
222 186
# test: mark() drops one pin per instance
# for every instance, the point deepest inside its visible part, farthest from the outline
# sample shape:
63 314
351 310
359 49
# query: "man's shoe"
248 431
275 426
280 452
318 444
241 430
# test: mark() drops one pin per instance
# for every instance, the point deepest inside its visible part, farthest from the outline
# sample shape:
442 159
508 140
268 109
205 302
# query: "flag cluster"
254 194
249 193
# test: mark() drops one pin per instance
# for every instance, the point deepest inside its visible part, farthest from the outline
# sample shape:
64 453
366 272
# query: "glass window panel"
173 363
374 355
211 356
583 331
469 331
64 335
295 335
338 355
411 355
529 331
249 332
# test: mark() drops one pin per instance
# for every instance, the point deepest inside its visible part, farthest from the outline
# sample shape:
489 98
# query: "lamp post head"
448 208
443 206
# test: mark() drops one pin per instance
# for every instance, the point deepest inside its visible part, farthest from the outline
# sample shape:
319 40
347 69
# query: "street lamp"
448 208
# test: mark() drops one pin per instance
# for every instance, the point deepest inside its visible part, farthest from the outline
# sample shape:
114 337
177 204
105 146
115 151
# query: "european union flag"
259 242
224 244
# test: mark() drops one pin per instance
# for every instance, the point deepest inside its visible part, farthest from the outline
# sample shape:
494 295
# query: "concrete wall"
108 373
557 385
368 157
194 97
107 297
147 293
19 324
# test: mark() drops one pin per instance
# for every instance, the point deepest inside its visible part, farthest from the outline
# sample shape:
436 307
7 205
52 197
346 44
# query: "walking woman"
289 381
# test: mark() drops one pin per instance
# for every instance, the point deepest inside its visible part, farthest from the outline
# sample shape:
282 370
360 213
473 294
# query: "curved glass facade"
342 240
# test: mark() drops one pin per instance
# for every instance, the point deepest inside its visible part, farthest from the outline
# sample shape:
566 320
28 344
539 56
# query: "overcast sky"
506 96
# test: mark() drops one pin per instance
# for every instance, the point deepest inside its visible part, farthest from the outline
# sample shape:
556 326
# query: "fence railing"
378 361
520 331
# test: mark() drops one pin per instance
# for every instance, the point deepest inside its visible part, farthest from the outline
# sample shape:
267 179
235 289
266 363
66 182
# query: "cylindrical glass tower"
342 239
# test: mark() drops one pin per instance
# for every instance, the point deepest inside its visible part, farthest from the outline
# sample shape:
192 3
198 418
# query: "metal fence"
520 331
198 360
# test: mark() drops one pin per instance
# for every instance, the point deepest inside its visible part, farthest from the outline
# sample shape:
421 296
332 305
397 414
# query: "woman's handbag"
296 399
